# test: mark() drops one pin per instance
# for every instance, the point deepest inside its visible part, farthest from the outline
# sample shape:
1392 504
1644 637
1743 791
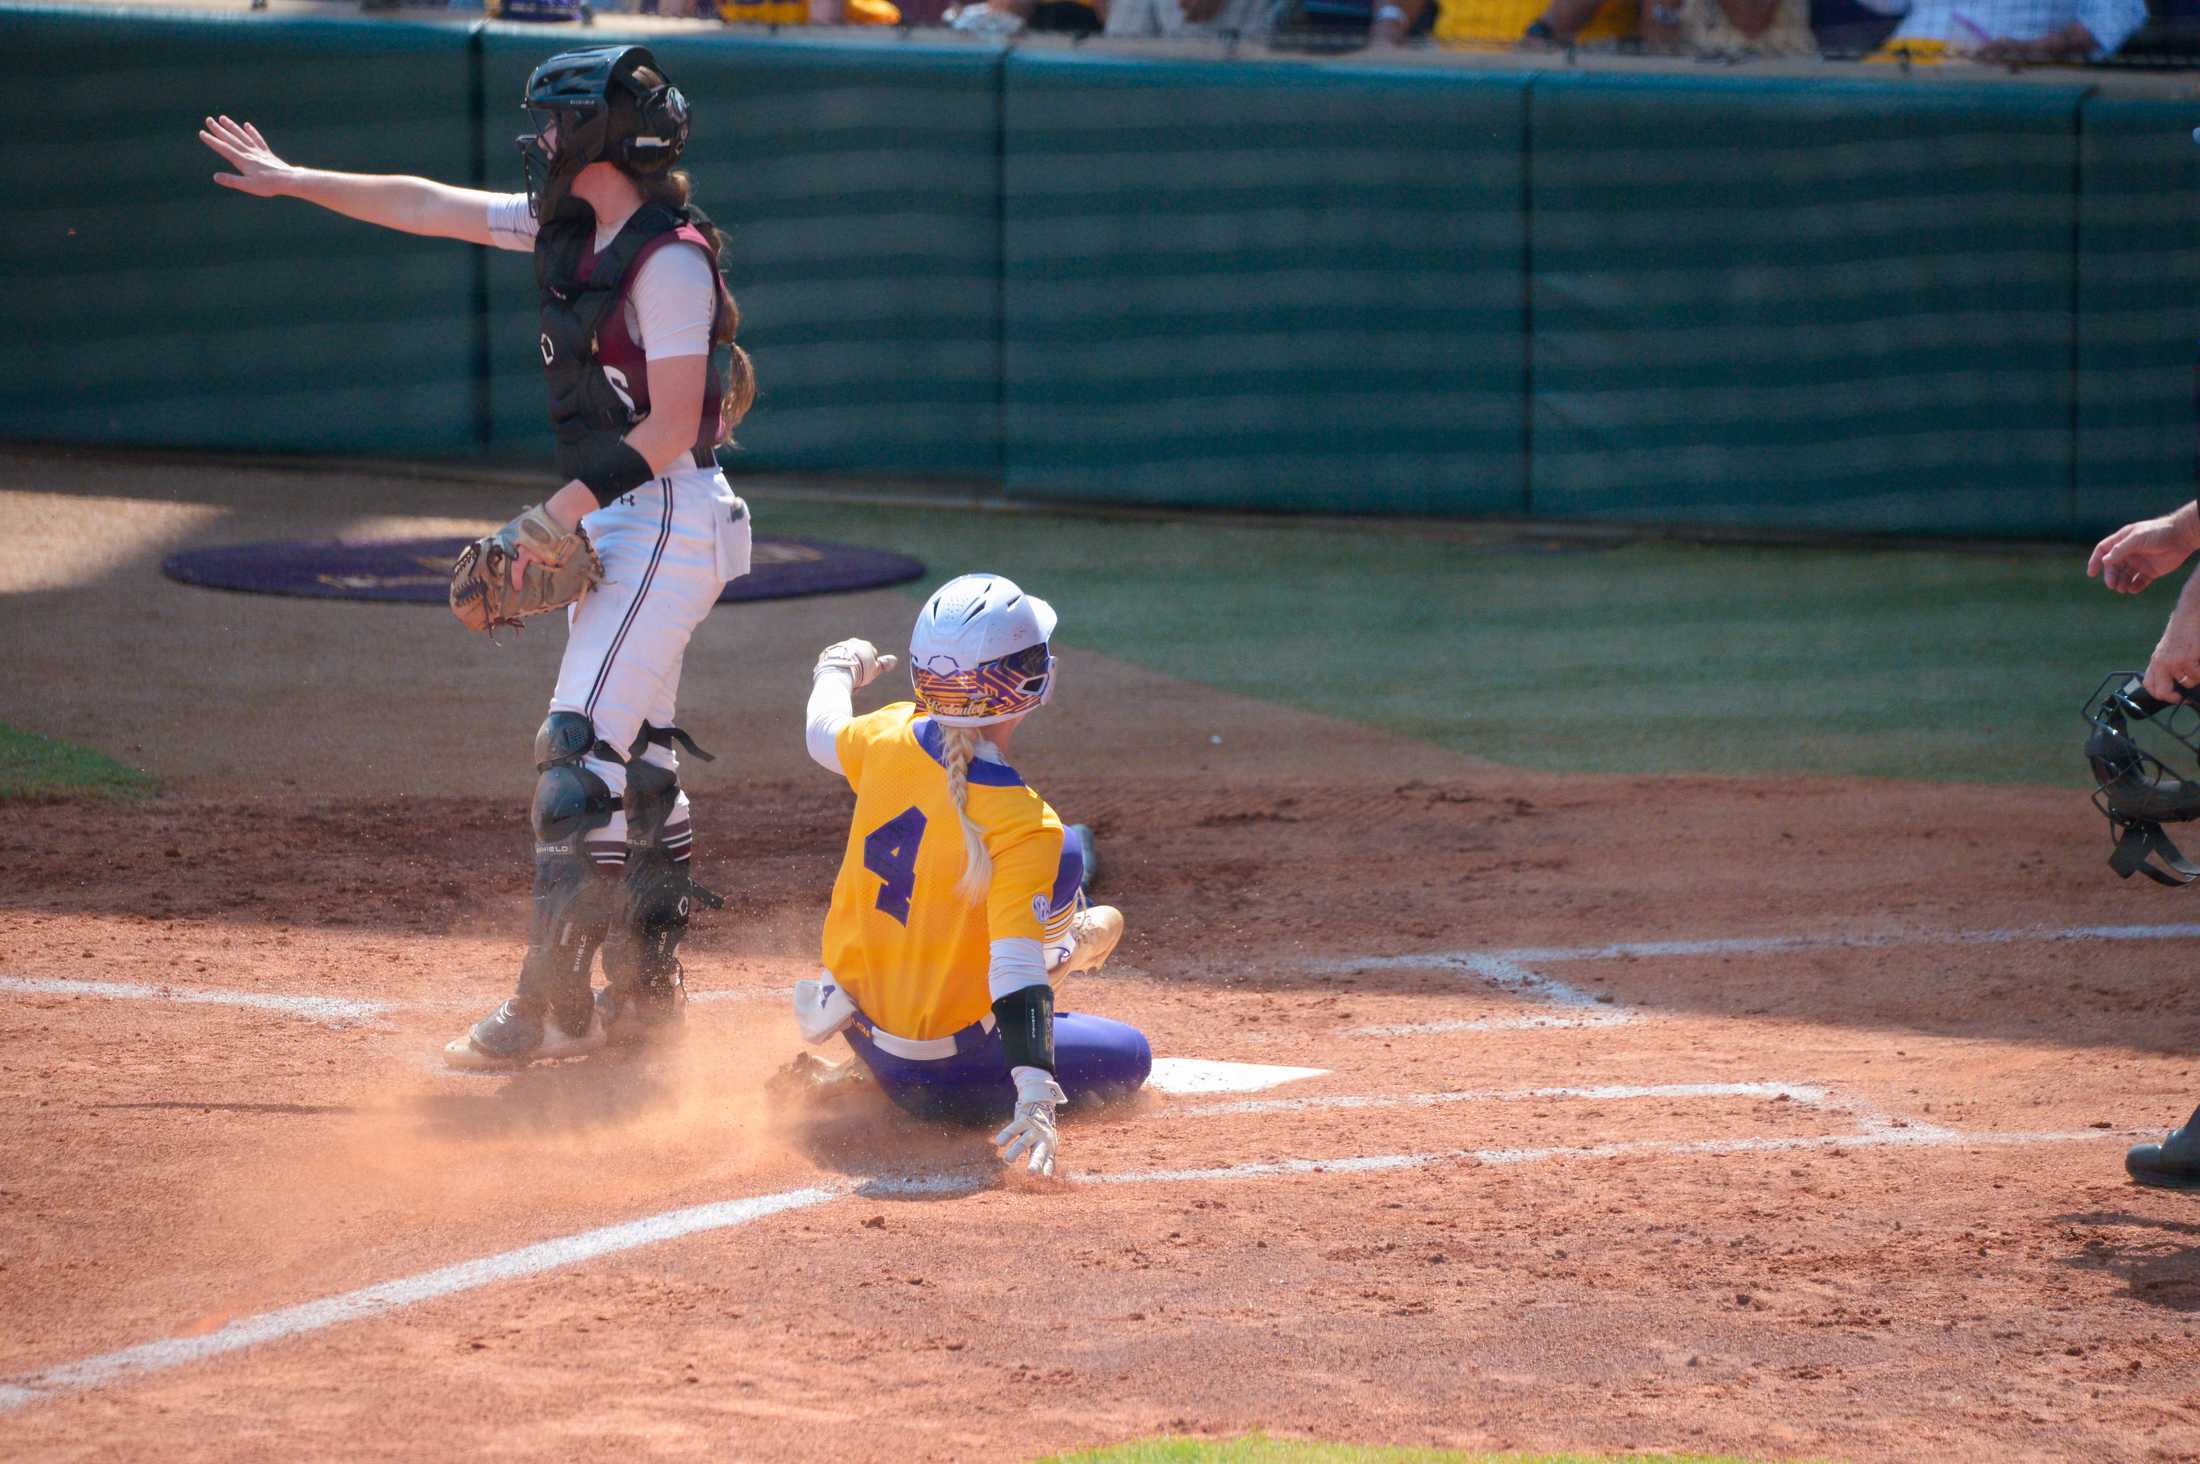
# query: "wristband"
613 469
1026 1019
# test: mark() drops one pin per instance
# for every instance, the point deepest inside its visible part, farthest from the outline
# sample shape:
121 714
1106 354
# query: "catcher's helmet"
979 653
589 107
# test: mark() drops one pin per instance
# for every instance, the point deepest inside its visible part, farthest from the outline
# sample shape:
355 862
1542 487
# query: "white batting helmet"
979 653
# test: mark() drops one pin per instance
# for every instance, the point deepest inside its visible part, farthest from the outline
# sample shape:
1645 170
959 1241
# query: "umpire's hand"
2137 555
2173 672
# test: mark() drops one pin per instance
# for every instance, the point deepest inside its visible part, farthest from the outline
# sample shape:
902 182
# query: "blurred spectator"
2171 34
1724 28
1761 28
1846 28
802 12
1535 25
1146 19
2011 30
551 10
1347 23
1012 17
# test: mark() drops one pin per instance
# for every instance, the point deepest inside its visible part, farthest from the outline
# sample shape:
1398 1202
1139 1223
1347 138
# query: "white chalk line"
1375 1163
1511 970
148 1358
1871 1120
332 1011
388 1296
1768 945
1580 1008
1803 1094
1618 1016
335 1011
1505 969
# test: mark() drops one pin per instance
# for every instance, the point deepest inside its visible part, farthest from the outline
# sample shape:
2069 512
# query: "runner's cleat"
1093 935
809 1078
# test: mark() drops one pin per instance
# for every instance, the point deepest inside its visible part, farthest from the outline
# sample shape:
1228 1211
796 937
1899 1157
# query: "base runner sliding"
959 897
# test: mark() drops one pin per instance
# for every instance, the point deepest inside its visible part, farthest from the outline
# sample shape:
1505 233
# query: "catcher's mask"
2135 788
590 107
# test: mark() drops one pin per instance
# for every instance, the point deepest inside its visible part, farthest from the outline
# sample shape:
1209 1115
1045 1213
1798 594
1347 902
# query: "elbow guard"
1026 1020
611 467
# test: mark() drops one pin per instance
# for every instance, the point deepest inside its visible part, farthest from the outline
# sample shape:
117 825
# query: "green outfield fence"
1852 299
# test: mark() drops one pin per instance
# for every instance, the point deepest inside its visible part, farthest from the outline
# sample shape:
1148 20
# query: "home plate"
1197 1075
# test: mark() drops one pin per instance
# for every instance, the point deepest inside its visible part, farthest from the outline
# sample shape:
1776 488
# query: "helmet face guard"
2132 787
548 162
588 107
993 692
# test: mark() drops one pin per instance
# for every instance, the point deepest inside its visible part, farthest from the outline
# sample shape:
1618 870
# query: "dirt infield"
1833 1171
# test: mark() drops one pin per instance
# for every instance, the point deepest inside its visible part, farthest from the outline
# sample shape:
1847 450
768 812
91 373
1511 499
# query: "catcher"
958 899
645 382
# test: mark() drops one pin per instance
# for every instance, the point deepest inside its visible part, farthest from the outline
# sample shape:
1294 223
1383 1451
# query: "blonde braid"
962 746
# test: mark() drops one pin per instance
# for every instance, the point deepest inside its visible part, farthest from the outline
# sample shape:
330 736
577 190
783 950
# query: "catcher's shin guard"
646 990
553 1014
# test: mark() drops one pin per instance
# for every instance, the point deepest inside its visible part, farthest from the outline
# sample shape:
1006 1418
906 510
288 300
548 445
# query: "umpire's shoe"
2174 1163
520 1032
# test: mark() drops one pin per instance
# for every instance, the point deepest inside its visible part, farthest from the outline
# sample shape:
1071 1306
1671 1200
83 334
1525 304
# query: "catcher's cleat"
656 1012
1093 935
2172 1164
517 1033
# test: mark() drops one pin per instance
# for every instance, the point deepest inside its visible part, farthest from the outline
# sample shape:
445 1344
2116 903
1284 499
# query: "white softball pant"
668 549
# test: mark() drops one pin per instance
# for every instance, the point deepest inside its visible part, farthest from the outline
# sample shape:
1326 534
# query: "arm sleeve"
2111 22
511 226
850 743
675 298
831 709
1016 963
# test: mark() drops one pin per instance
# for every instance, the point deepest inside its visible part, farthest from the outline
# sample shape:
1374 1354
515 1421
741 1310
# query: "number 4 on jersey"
890 852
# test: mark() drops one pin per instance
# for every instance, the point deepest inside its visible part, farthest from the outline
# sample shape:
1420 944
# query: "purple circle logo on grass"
418 571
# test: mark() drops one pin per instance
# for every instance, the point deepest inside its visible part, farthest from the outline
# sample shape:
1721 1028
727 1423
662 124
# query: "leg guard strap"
2139 843
653 735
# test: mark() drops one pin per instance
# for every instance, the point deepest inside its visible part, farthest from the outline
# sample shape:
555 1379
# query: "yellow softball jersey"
908 948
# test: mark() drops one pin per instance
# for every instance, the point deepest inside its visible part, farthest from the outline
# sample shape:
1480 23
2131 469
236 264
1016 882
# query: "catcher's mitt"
564 568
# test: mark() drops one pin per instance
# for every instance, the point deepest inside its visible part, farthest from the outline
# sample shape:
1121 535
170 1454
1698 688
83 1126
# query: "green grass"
1645 657
1261 1450
34 767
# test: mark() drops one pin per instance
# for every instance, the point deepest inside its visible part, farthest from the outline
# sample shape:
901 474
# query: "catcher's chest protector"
597 373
